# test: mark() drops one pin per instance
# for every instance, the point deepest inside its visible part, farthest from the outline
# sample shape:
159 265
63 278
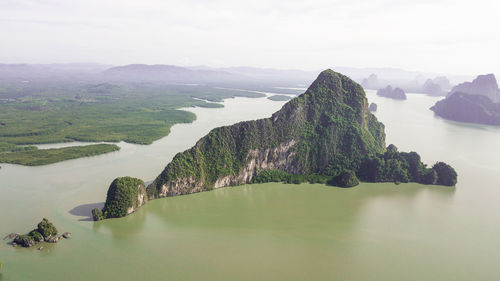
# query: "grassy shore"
38 157
65 112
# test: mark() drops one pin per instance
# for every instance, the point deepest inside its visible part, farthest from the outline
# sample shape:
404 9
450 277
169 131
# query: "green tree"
446 175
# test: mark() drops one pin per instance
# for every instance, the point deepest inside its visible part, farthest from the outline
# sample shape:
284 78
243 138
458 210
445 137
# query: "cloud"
442 36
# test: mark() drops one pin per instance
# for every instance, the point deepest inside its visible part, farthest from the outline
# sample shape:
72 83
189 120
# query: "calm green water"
269 231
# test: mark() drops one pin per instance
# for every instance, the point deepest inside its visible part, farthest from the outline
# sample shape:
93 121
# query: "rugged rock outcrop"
312 133
125 196
45 232
389 92
464 107
373 107
484 85
324 133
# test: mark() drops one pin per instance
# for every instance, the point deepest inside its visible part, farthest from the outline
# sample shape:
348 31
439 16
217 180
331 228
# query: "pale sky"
447 36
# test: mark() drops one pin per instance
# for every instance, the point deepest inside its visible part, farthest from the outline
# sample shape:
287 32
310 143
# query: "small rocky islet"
45 232
326 135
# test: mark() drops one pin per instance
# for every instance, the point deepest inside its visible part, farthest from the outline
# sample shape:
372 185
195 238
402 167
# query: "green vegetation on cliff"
326 135
37 157
346 178
327 131
324 131
125 195
281 176
45 231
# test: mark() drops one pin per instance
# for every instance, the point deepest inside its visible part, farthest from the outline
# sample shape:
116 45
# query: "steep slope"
323 131
485 85
325 135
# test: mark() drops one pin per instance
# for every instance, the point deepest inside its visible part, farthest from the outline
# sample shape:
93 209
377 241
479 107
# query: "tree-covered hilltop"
326 135
125 195
325 131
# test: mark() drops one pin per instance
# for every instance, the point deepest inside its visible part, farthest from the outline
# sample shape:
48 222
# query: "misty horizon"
428 36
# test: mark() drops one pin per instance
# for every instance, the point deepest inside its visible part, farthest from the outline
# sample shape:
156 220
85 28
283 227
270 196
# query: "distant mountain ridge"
410 81
485 85
166 73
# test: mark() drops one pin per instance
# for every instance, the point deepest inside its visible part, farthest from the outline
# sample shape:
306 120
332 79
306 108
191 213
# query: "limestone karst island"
326 135
151 140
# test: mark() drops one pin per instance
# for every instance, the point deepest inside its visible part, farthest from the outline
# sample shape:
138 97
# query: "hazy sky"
460 37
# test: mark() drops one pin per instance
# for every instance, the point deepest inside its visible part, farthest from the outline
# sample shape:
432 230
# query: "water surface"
268 231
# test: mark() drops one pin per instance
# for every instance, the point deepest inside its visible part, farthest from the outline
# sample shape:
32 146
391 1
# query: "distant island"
326 135
389 92
464 107
279 98
484 85
472 102
420 83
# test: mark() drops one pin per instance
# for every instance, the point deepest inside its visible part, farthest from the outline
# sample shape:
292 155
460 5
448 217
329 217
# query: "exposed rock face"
45 231
464 107
306 136
326 132
373 107
485 85
389 92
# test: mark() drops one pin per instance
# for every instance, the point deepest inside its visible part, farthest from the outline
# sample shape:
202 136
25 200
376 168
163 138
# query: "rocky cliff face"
326 135
312 133
485 85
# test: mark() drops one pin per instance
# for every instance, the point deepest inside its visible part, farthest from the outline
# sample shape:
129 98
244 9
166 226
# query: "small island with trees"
45 232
